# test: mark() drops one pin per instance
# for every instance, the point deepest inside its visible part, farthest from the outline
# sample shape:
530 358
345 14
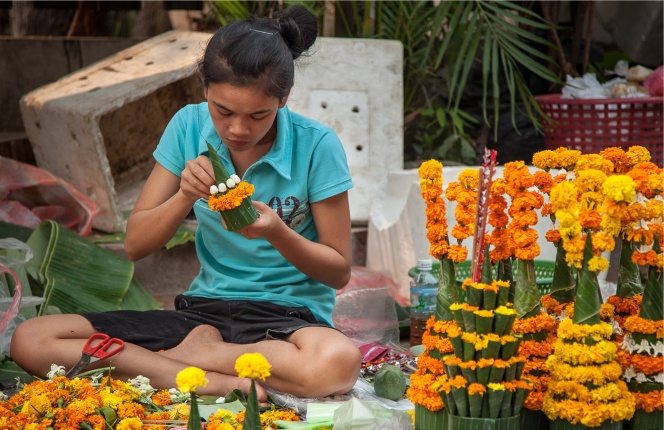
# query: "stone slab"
97 127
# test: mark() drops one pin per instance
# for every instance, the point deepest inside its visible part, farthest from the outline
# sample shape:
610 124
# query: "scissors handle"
105 348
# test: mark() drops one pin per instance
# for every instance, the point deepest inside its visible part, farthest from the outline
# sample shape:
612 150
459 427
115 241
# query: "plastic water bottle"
423 297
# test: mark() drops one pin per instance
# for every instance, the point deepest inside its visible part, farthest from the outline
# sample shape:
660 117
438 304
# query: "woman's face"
243 116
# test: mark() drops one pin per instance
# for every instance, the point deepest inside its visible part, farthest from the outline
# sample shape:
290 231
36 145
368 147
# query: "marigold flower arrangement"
578 392
231 197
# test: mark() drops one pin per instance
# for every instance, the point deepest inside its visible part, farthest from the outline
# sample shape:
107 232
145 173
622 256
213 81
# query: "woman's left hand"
267 222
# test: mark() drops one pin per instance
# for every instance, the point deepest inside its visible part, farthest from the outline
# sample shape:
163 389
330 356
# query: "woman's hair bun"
299 29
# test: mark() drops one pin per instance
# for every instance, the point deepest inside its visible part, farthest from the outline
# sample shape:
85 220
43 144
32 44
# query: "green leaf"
138 298
526 292
652 306
252 420
563 283
79 275
220 173
194 422
588 300
629 276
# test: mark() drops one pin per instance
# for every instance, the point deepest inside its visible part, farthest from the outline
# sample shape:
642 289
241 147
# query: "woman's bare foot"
197 344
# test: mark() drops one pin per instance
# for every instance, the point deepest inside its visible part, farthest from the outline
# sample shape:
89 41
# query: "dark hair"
259 50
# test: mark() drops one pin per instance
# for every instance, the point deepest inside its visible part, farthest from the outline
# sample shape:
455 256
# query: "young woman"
268 288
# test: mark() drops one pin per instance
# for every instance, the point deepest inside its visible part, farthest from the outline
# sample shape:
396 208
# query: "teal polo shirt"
306 164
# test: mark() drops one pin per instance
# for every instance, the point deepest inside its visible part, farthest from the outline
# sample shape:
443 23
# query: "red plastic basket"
591 125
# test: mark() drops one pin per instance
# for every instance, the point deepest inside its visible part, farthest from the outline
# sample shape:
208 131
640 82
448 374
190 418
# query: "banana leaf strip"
447 290
588 300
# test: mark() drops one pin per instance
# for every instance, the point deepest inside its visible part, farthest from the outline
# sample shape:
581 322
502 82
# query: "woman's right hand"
196 178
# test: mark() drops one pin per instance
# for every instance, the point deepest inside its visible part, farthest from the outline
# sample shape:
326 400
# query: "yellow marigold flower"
567 158
253 366
637 154
180 411
504 310
130 424
619 188
564 196
545 160
598 264
189 379
618 157
495 386
590 180
469 178
593 161
37 406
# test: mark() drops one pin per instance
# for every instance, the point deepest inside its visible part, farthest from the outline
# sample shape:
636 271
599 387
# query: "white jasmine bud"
222 188
214 189
230 182
236 179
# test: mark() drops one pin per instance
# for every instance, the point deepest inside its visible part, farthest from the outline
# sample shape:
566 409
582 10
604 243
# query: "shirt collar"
280 156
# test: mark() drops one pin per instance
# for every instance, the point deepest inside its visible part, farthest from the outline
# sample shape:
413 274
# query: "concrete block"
356 87
97 127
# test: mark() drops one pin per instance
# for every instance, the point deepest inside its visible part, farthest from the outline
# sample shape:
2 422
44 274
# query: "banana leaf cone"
240 216
526 292
461 400
451 366
510 348
588 301
476 401
496 397
457 345
506 407
474 295
629 277
519 369
447 290
252 420
483 323
469 316
501 322
643 420
497 374
194 422
483 374
426 419
485 405
458 315
489 299
504 294
448 401
652 306
492 350
486 276
504 273
469 373
563 284
510 373
519 398
468 351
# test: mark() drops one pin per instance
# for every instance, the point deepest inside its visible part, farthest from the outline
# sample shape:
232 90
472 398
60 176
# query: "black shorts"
238 321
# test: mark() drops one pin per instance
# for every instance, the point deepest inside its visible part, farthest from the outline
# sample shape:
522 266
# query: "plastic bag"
29 195
588 87
655 82
363 415
13 255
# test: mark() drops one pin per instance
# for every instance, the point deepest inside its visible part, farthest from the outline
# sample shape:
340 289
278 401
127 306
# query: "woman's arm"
163 204
328 261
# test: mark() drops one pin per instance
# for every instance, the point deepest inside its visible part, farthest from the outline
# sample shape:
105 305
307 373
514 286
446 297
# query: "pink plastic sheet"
30 195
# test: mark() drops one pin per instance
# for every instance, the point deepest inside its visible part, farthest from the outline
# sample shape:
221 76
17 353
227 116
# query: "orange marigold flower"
649 402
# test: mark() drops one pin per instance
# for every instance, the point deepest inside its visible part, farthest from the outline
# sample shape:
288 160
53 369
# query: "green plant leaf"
220 173
447 290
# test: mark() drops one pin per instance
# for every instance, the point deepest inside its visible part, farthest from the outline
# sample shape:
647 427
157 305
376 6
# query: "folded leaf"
447 290
629 277
526 292
563 283
653 295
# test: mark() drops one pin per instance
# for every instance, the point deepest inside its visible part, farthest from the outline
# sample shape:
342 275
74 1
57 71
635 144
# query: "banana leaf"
526 291
629 277
77 275
563 284
447 290
652 307
588 300
486 276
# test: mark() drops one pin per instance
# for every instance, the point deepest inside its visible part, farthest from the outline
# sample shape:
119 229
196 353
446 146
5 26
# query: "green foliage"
443 42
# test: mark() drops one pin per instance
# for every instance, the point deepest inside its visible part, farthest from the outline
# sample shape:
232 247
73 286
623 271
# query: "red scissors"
105 348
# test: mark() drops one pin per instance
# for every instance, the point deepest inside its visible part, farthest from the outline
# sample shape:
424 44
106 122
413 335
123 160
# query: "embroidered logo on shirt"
290 210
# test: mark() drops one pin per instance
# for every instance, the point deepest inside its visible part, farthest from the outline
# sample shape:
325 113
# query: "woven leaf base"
566 425
647 420
441 420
